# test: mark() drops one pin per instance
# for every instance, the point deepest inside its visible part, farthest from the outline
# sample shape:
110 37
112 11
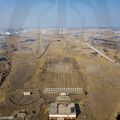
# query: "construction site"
60 75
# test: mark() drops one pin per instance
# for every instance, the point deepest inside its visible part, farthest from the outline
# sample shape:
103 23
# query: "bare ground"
68 63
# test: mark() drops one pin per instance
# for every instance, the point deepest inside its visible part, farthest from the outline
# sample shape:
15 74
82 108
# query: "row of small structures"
52 90
63 108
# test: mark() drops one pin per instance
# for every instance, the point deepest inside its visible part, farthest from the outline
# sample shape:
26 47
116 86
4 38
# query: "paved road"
106 57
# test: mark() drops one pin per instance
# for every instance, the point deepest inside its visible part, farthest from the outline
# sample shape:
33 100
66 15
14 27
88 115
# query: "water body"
106 43
28 41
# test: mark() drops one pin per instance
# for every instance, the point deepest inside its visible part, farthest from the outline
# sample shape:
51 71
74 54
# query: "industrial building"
62 111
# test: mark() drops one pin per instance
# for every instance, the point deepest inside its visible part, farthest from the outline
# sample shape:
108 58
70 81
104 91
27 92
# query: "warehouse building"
62 111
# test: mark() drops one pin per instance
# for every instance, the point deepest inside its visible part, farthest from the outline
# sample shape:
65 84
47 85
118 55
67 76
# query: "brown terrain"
62 61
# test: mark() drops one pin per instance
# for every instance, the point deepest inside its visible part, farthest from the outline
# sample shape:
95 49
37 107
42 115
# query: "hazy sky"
63 13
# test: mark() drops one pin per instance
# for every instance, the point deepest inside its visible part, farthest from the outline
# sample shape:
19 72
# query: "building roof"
62 109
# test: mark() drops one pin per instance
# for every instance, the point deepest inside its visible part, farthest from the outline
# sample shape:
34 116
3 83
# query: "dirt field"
69 63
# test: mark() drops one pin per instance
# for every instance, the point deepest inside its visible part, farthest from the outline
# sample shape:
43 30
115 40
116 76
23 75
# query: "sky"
59 13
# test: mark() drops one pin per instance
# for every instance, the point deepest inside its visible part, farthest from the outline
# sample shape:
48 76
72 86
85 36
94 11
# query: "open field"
63 61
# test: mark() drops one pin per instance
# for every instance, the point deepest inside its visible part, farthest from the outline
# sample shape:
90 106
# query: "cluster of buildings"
62 109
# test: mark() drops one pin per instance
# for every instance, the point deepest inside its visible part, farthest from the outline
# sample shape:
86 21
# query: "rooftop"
62 109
